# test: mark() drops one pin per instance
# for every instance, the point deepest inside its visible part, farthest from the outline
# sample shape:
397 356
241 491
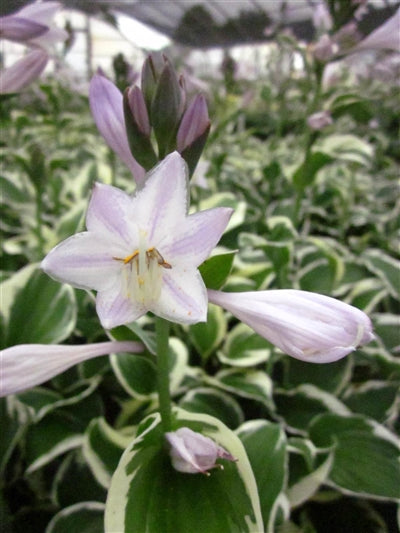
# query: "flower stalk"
164 396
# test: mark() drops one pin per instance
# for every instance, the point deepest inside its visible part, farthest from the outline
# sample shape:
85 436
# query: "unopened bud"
193 132
193 453
318 121
138 128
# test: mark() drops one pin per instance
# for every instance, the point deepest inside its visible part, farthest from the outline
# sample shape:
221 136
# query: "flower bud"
193 132
325 49
308 326
138 128
193 453
166 109
318 121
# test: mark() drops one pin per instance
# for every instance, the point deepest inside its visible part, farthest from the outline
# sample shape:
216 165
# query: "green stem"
39 233
162 332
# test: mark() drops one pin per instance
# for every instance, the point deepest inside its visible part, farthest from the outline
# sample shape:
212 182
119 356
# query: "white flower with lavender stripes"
142 253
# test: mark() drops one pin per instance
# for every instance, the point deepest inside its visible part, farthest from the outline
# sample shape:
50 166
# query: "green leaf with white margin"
309 466
85 517
54 435
41 401
347 147
331 378
206 336
11 286
265 444
376 399
366 455
138 374
102 449
14 420
44 311
386 268
387 326
244 348
299 406
148 495
215 403
251 384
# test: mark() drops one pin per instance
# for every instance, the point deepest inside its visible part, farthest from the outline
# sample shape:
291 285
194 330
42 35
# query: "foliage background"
320 439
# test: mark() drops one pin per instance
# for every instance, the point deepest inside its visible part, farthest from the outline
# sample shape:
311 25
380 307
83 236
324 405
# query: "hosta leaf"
375 399
206 336
216 269
265 444
43 311
214 403
138 374
330 378
85 517
62 433
244 348
366 456
309 469
251 384
148 495
386 267
102 449
299 406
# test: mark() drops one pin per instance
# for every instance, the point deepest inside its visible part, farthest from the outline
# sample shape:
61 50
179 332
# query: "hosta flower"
308 326
27 365
193 453
141 254
33 26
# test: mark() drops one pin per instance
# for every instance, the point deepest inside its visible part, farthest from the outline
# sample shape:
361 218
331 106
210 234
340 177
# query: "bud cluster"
158 114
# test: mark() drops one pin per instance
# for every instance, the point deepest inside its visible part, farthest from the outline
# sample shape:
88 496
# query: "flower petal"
385 37
307 326
107 110
115 309
110 213
23 72
27 365
183 297
163 202
20 29
192 242
85 261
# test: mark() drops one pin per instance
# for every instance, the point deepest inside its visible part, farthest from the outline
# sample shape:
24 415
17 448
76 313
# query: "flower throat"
142 279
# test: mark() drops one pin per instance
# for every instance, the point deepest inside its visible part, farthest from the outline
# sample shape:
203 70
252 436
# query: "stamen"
142 278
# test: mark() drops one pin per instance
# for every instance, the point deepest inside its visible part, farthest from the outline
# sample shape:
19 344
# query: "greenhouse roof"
208 23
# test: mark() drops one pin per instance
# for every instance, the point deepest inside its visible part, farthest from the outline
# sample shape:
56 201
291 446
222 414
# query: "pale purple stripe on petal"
192 243
183 297
109 213
85 261
165 196
114 308
27 365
